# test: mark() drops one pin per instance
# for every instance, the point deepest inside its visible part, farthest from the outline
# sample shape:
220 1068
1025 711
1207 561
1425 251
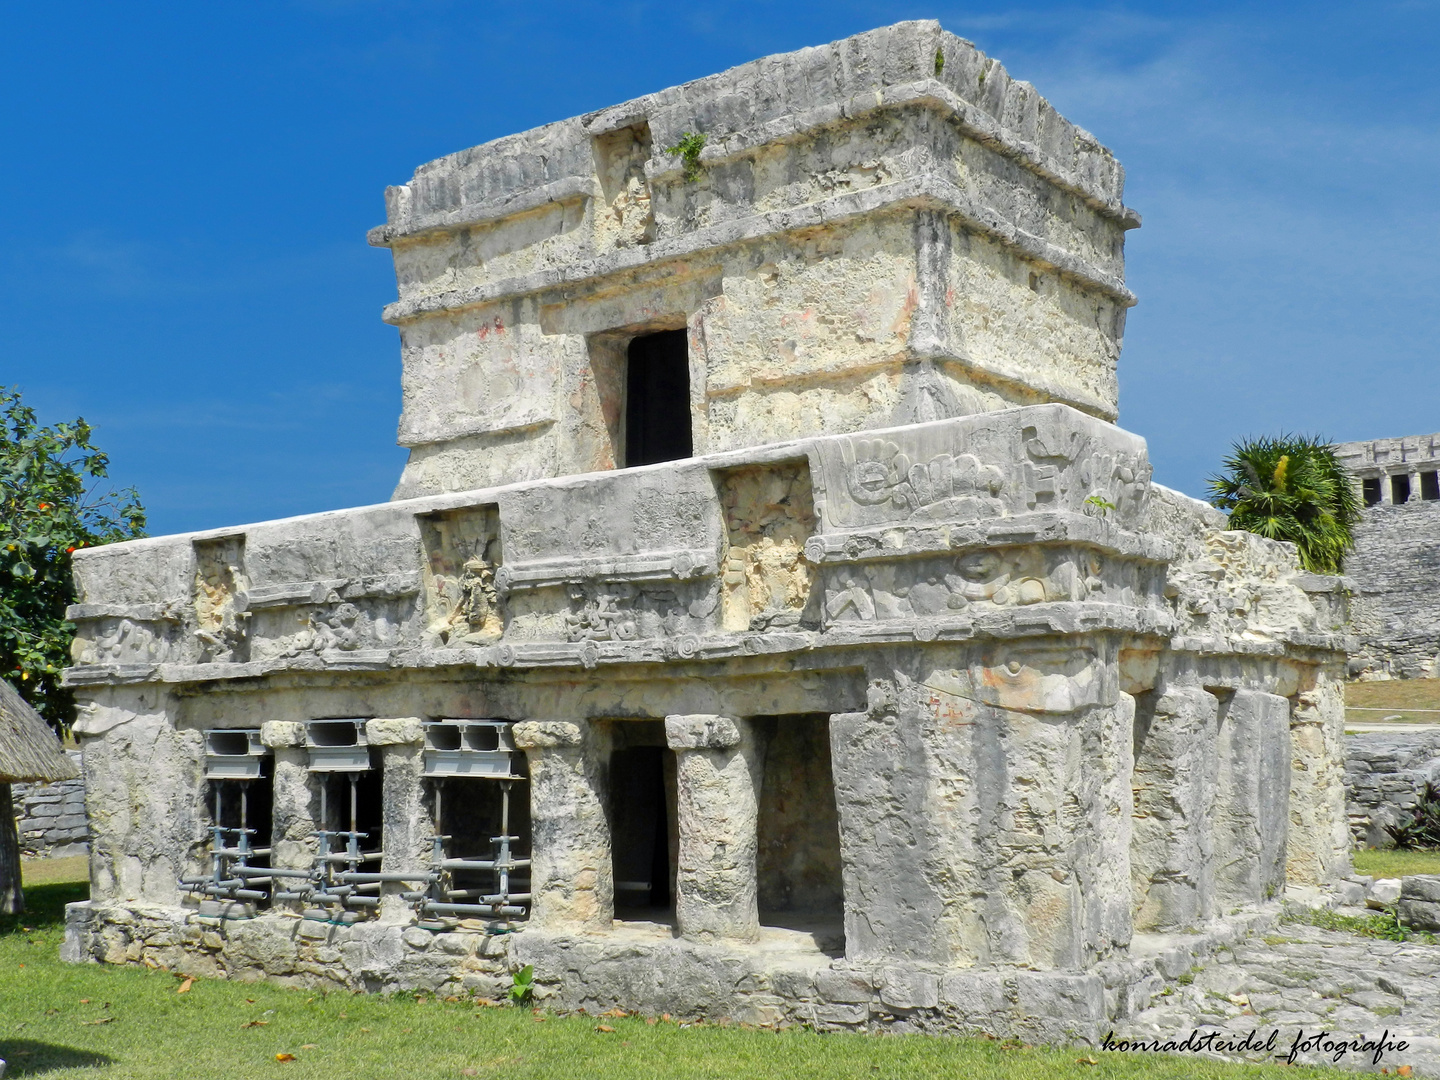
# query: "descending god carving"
462 601
221 614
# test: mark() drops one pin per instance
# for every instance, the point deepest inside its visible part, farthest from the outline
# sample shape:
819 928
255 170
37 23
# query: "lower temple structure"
887 690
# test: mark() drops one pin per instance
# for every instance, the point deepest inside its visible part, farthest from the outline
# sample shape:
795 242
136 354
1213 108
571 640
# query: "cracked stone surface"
1305 979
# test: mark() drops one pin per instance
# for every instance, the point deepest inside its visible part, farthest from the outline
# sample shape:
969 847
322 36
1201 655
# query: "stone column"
572 883
1252 797
1172 847
406 826
718 781
292 820
1317 847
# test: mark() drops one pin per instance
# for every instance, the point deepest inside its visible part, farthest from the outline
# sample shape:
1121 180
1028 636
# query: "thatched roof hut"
29 750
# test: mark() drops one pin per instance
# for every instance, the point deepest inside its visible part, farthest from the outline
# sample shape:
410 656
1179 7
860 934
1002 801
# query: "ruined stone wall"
50 818
1385 775
1395 568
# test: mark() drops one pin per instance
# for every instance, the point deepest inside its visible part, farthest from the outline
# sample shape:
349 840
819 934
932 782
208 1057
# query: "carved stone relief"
962 472
462 553
338 626
624 218
123 641
990 578
765 578
221 615
626 611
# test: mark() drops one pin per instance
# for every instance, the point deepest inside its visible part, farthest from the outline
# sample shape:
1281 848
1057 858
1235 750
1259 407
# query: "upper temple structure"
770 621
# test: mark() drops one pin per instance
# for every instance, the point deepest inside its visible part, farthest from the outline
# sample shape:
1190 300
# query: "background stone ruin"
1394 571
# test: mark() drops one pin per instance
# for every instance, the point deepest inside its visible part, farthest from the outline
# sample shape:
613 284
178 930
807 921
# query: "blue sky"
188 186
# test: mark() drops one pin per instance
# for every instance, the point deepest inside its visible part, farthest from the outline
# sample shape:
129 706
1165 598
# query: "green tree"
52 502
1291 487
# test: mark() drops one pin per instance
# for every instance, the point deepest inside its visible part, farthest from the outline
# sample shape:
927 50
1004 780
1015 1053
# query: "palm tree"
1293 488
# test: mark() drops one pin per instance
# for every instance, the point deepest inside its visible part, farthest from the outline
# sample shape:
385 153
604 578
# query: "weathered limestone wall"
958 249
1394 571
50 818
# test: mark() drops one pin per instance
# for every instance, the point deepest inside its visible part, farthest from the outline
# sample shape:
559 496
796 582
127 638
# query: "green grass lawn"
1393 700
59 1020
1391 863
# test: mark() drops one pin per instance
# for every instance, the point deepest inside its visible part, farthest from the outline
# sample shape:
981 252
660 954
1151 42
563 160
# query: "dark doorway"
798 866
640 828
657 399
1429 486
1399 488
1370 486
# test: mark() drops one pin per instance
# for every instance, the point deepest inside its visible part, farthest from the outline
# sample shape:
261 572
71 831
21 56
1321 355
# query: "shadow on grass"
24 1057
45 907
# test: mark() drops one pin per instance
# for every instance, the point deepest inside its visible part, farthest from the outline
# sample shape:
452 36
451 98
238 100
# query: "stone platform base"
785 978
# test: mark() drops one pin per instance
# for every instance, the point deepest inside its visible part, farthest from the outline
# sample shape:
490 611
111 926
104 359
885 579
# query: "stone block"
1421 887
1419 914
839 985
409 730
546 734
1078 1000
904 988
701 732
975 993
1383 893
278 733
846 1015
793 984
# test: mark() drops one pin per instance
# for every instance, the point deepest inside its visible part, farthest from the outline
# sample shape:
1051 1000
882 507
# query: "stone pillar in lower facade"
718 779
144 795
1317 847
406 825
1252 798
294 806
572 885
1172 846
984 810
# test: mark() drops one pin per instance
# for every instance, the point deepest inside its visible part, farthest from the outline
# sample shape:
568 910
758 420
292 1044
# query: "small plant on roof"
1291 487
689 147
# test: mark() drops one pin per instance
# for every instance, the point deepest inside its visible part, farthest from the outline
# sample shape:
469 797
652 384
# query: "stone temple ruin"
770 622
1394 571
